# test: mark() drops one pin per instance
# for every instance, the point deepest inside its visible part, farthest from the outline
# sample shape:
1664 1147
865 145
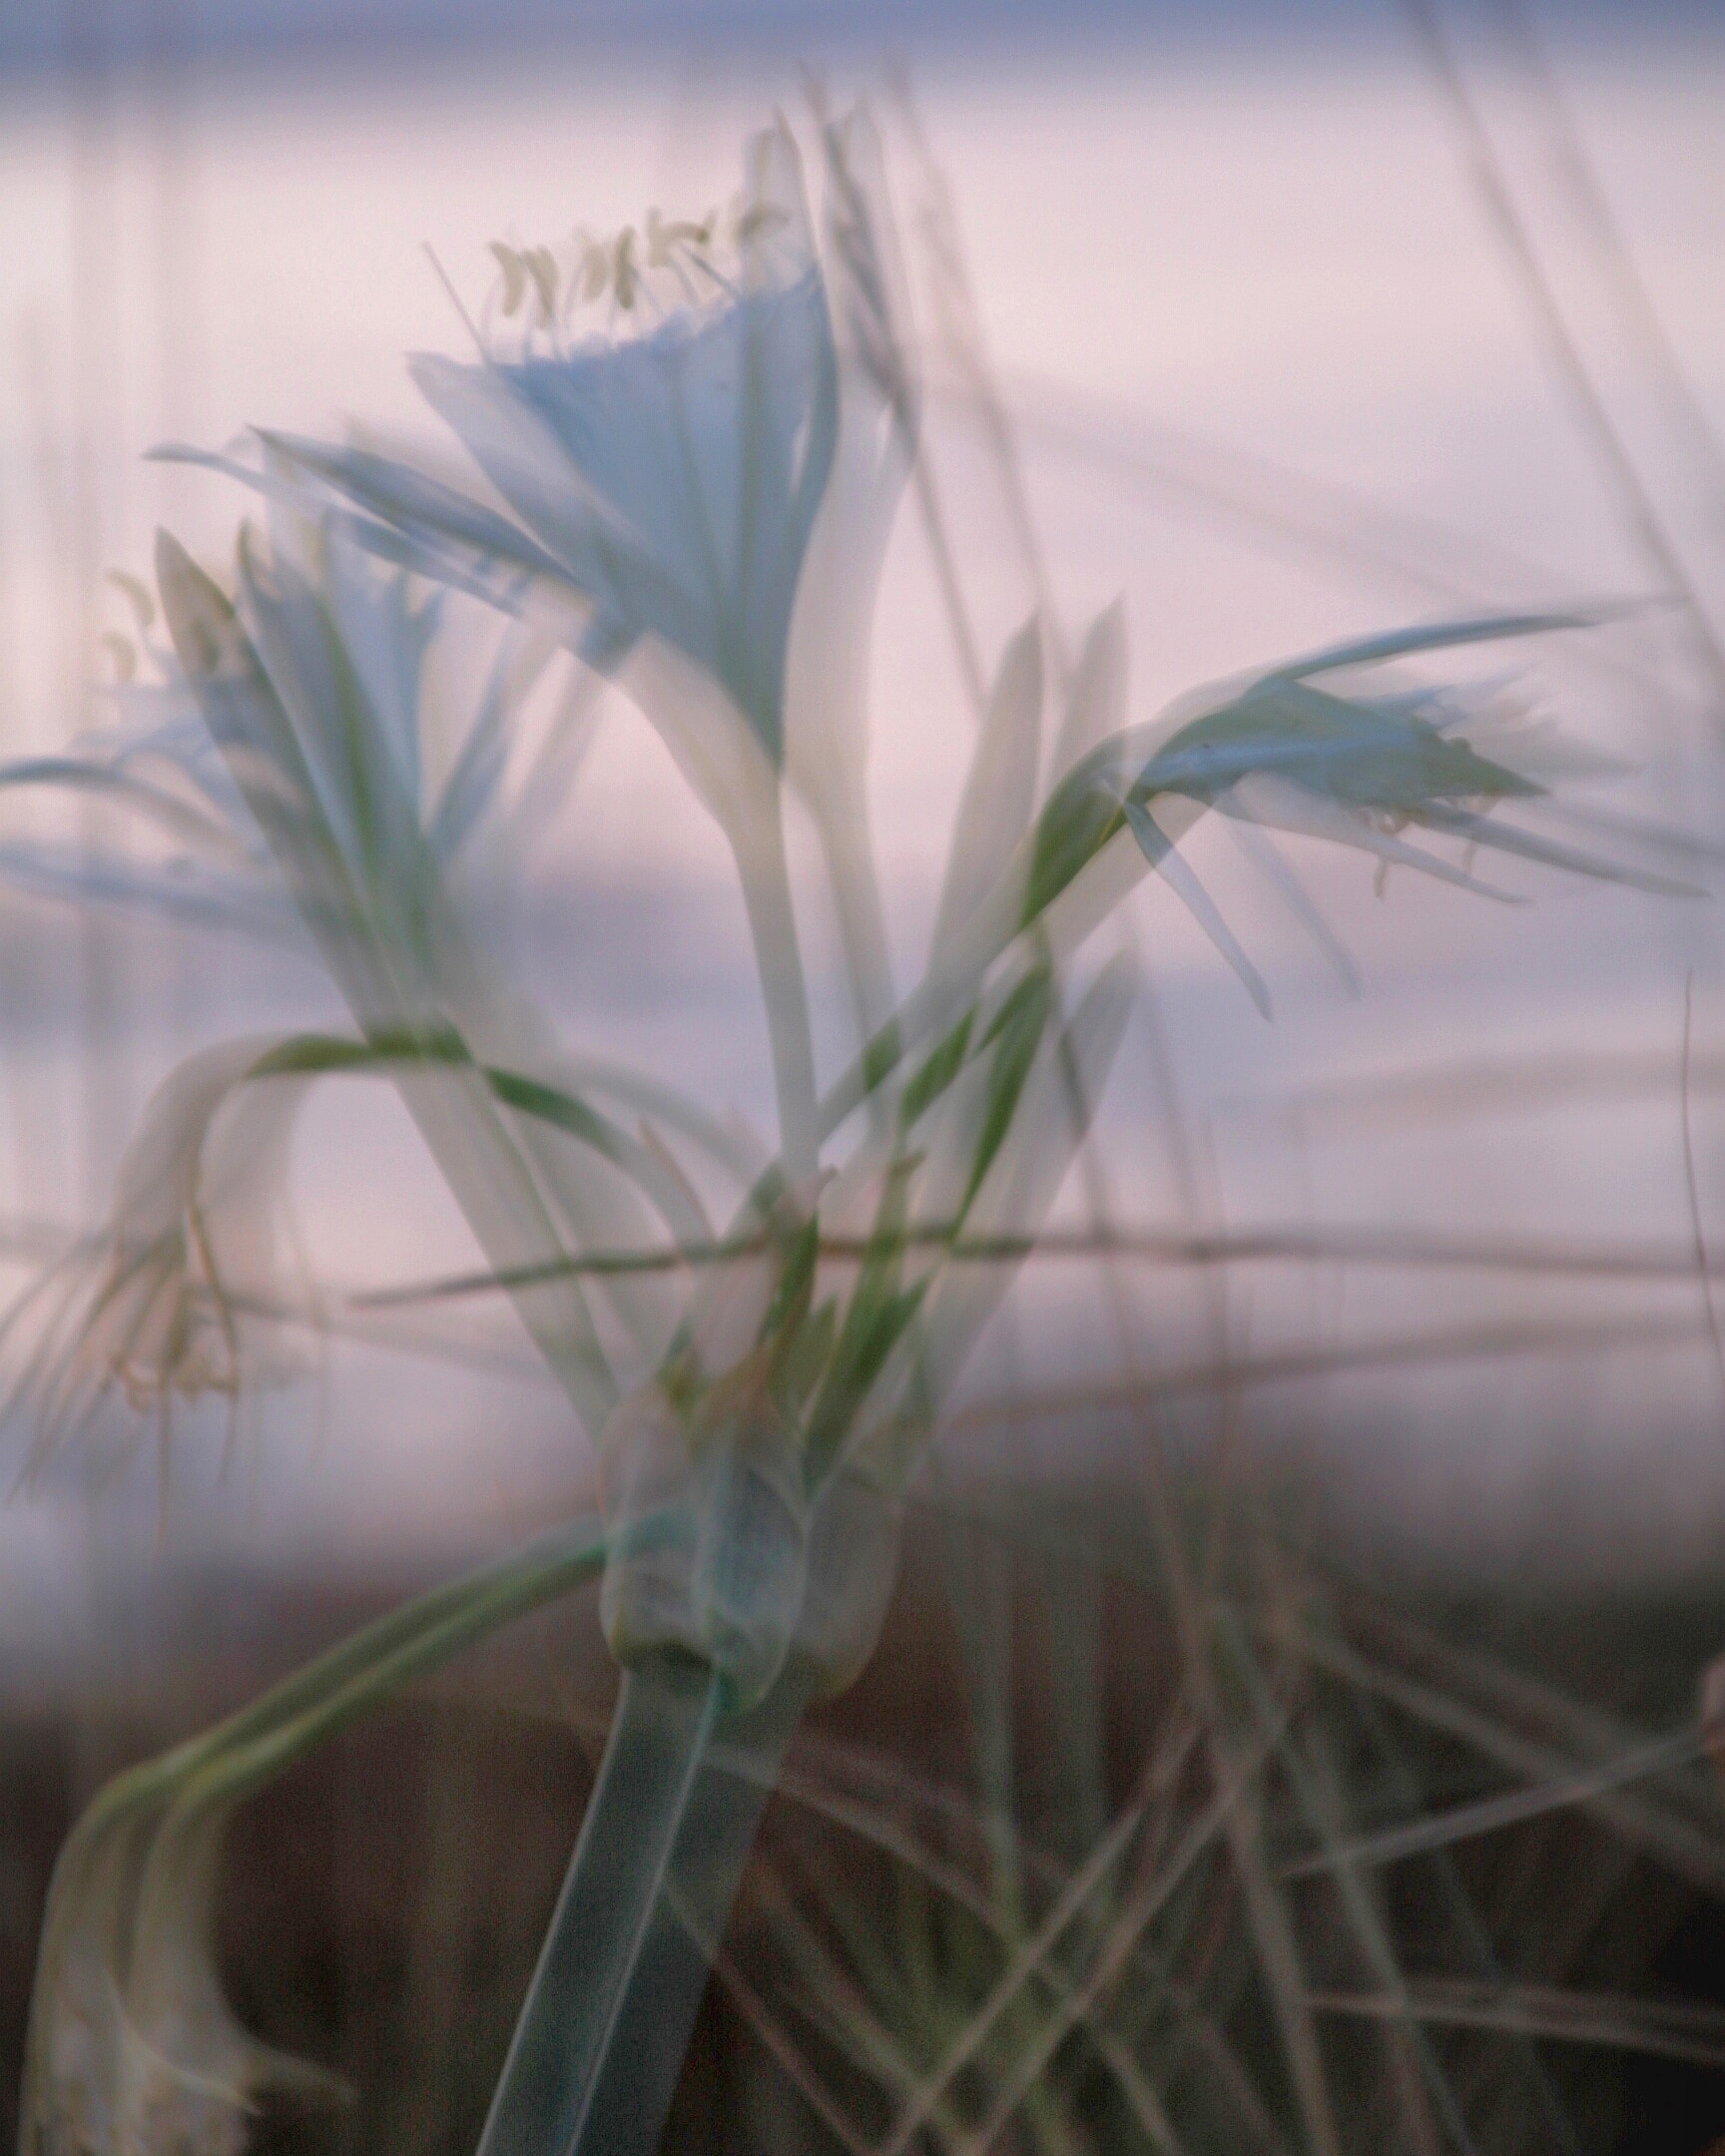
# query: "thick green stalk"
600 2042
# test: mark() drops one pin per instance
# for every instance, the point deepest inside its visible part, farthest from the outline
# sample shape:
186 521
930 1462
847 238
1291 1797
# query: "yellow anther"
663 237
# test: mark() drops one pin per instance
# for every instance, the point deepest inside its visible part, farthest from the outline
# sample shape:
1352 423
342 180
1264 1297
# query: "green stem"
766 879
600 2042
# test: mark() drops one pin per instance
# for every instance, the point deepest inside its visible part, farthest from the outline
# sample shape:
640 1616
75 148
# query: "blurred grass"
382 1904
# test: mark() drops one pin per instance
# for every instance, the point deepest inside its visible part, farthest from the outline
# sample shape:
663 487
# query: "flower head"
668 472
1288 749
666 482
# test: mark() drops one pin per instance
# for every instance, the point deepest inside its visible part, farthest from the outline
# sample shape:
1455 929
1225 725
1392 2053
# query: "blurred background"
1303 324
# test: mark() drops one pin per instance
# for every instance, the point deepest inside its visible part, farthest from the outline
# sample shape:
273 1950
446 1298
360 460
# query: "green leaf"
874 1322
1015 1035
796 1279
1082 814
937 1072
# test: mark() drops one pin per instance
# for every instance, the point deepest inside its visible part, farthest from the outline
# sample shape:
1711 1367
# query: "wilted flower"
378 777
316 694
132 2047
180 1293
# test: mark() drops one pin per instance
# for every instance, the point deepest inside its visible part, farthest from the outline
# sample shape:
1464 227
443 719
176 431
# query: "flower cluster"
695 503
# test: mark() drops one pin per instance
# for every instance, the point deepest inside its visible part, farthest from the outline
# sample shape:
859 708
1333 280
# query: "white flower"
669 476
379 758
1289 749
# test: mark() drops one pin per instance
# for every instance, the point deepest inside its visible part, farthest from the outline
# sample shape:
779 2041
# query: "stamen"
514 275
542 266
624 270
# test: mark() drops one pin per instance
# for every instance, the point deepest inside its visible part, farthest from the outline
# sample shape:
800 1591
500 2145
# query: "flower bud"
644 1601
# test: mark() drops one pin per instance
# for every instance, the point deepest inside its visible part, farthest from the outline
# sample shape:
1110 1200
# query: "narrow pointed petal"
1278 802
1527 846
1260 848
1164 856
1437 636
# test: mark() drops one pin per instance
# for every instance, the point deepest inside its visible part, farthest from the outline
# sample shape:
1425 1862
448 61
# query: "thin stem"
1633 501
955 304
600 2042
1693 1190
1580 180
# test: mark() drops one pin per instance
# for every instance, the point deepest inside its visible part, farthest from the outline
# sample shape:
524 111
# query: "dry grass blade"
1634 503
1693 2034
1644 1822
1118 1946
1449 1345
1694 1193
893 1786
1028 1959
1464 1823
1416 2074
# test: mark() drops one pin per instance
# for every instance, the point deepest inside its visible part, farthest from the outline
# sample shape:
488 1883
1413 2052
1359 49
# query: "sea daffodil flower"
669 476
